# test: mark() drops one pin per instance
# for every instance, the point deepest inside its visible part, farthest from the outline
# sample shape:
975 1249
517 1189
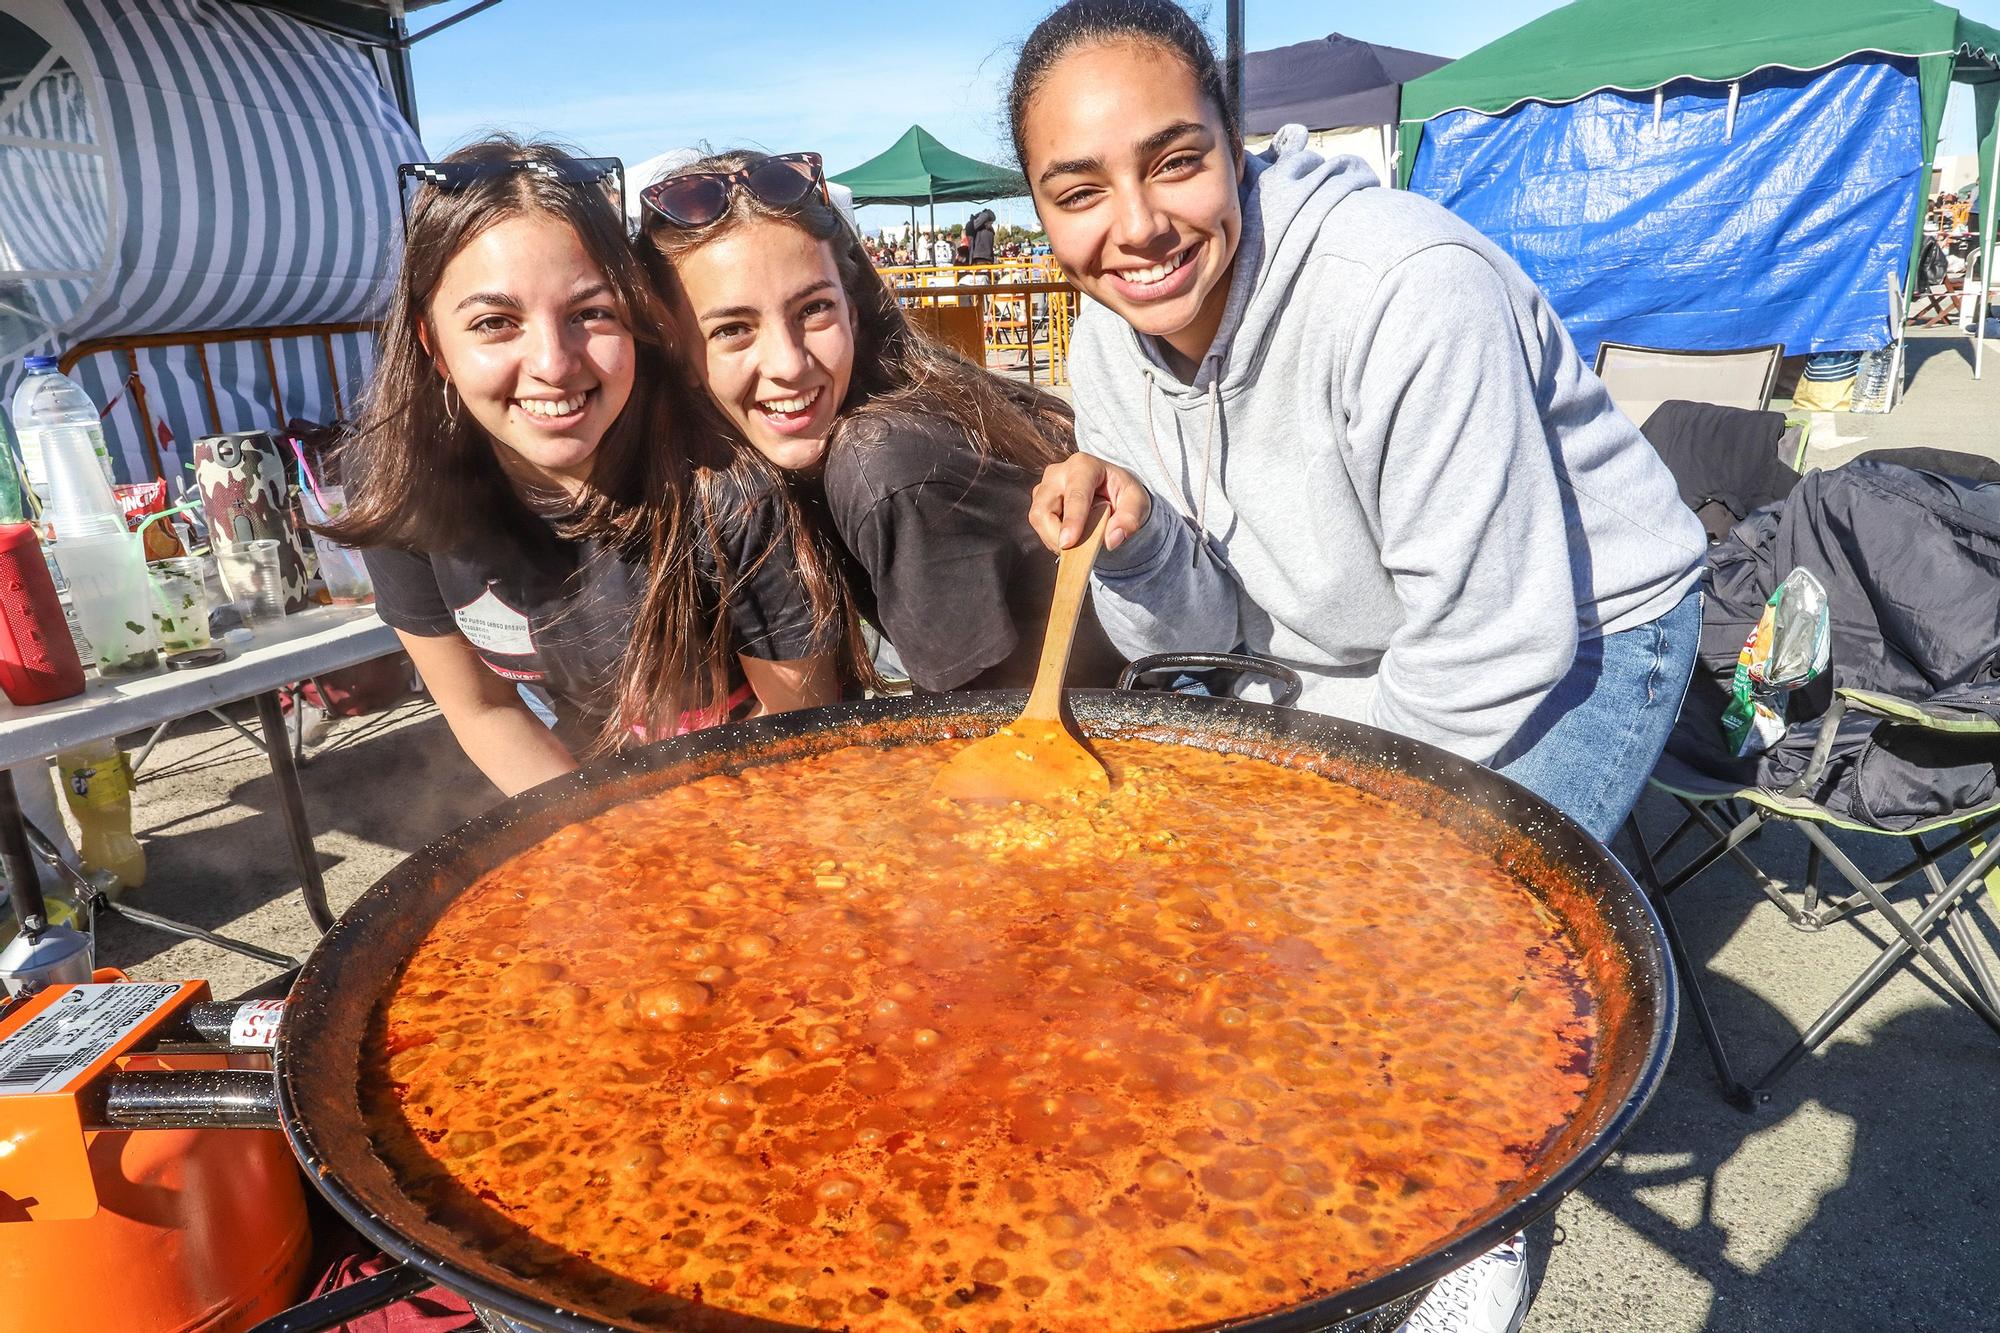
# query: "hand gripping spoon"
1034 758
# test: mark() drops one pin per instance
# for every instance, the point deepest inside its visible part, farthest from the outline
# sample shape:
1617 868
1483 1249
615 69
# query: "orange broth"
805 1045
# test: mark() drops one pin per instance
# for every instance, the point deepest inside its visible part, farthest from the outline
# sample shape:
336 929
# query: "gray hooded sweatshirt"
1391 471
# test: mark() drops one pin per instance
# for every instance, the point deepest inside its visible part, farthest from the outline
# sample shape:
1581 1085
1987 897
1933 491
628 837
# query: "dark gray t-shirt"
544 609
956 579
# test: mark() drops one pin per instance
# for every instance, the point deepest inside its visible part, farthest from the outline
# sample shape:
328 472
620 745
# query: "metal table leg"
23 887
292 805
35 843
182 930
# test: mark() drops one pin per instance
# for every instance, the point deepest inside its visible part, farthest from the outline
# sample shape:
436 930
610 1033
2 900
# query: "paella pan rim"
353 952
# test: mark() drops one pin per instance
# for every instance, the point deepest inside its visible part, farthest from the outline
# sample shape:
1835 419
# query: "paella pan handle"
324 1313
1289 684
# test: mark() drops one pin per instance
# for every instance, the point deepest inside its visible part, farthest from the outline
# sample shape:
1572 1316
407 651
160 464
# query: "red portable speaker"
38 662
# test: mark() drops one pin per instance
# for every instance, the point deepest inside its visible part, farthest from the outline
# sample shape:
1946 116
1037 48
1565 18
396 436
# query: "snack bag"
139 501
1788 649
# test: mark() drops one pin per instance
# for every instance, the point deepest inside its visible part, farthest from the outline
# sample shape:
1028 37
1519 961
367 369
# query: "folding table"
301 646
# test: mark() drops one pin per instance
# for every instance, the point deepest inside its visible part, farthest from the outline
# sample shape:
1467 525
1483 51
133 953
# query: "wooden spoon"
1034 758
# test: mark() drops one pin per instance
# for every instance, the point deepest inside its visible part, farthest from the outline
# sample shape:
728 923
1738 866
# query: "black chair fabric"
1726 460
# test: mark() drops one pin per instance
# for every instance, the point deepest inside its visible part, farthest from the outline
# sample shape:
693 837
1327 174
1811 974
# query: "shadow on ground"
217 854
1918 353
1861 1196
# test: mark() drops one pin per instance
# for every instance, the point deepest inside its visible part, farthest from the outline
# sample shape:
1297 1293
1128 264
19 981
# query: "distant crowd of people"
976 243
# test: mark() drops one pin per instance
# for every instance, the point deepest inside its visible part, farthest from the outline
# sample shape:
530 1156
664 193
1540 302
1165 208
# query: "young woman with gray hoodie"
1340 428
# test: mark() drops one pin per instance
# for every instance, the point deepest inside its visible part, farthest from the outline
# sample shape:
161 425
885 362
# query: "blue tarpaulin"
1783 228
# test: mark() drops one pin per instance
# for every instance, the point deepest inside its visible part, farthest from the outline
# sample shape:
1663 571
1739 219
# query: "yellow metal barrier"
1025 310
200 341
1039 268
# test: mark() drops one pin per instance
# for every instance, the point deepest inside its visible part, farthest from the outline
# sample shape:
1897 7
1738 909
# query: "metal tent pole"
1986 227
22 886
460 17
401 75
401 39
1899 321
1233 39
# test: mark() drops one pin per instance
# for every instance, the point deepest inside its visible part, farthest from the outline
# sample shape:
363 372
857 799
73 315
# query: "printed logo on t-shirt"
492 626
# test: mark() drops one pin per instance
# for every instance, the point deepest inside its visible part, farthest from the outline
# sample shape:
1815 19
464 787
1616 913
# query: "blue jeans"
1591 743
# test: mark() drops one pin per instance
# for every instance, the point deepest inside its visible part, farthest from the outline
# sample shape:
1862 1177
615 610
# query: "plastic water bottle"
97 783
49 400
102 561
1872 383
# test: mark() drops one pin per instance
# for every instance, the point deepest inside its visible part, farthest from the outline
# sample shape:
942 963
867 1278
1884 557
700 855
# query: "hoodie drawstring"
1200 506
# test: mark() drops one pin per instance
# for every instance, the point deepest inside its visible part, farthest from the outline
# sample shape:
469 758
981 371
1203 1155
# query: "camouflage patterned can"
247 497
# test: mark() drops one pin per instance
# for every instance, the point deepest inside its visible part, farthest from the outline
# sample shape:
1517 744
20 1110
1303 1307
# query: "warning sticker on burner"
69 1036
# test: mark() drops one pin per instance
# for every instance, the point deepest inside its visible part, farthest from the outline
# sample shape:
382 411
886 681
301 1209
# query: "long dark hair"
424 477
1081 23
896 370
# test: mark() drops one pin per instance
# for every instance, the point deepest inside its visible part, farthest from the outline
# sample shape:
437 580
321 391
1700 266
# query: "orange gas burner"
180 1230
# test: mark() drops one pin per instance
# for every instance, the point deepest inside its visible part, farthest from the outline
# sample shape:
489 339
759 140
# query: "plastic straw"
190 504
299 450
151 519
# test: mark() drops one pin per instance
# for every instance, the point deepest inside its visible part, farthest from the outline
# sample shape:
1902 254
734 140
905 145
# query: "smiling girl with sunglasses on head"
527 481
910 464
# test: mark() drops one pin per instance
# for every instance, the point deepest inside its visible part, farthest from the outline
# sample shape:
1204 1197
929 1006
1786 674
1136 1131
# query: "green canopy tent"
917 169
1640 46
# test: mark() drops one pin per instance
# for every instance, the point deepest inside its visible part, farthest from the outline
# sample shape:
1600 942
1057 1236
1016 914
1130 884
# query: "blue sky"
633 78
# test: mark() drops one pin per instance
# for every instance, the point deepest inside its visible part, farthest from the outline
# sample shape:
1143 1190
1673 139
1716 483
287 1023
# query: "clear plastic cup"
180 603
256 584
106 576
340 569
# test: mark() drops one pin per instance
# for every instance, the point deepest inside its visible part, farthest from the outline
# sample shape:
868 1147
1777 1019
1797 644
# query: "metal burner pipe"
184 1099
215 1025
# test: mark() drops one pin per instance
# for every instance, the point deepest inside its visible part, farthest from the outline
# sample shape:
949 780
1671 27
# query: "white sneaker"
1488 1295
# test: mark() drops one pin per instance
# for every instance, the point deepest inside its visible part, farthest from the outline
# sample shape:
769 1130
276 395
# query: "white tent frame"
66 44
1987 224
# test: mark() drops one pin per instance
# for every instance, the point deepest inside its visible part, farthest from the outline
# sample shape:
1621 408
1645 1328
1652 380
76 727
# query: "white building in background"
1950 174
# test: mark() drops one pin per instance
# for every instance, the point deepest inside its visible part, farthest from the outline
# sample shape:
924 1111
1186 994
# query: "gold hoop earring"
450 407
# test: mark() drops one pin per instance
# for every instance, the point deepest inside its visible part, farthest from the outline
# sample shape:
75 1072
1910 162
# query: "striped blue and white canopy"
175 165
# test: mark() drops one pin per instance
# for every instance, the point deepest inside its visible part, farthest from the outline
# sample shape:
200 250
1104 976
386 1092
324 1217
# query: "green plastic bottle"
13 499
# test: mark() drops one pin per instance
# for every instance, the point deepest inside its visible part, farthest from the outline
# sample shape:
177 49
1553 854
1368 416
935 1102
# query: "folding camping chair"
1936 304
1730 814
1641 378
1927 765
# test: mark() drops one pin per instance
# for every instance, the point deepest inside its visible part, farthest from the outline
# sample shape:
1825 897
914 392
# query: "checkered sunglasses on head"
450 177
697 198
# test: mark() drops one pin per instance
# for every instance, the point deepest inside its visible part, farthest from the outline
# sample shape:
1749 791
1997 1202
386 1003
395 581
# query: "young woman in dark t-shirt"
529 482
918 461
